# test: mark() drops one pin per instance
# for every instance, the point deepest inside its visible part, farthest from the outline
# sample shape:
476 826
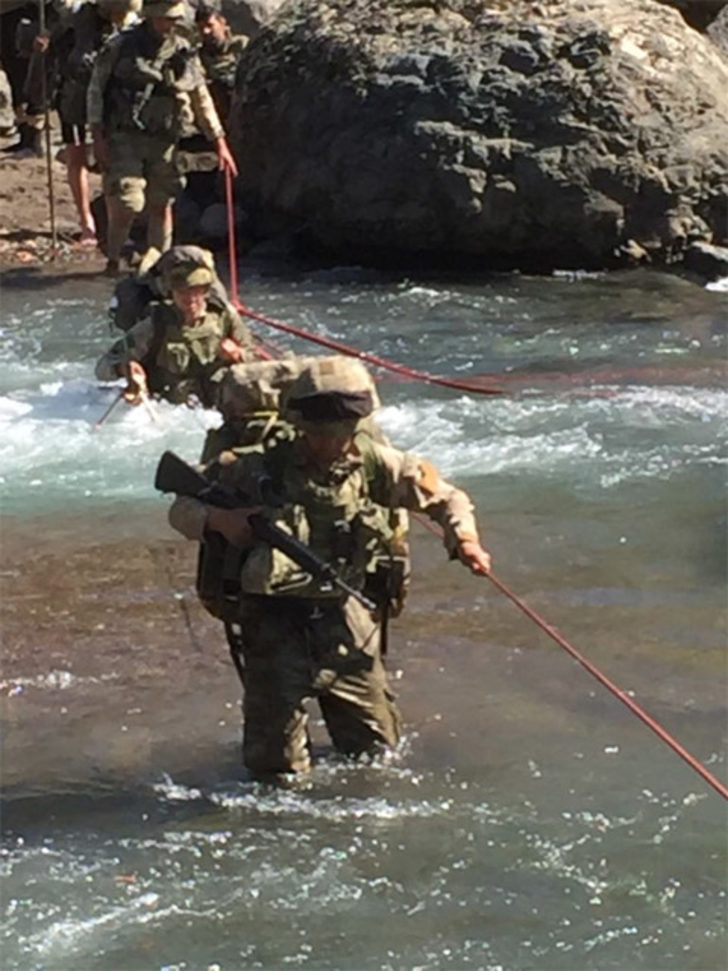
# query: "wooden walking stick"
47 134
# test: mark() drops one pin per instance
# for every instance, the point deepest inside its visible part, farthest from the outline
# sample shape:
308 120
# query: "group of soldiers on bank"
300 446
134 76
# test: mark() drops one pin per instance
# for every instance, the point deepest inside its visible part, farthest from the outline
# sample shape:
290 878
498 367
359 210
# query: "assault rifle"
175 475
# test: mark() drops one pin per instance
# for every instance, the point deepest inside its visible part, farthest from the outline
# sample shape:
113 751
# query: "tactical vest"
146 89
220 69
365 543
220 65
184 359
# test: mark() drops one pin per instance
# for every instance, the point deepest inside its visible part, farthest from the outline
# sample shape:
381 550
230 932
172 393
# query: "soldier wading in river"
182 350
335 491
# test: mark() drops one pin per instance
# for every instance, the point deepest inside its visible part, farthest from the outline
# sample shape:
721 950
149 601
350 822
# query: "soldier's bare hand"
475 557
231 351
225 158
41 43
233 524
137 387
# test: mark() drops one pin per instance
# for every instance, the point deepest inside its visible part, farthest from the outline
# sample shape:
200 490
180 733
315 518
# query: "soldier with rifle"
298 635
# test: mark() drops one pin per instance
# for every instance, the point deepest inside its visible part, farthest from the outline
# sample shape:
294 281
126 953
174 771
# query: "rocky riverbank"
499 135
26 238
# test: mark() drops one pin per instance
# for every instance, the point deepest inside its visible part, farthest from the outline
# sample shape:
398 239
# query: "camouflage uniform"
141 87
182 361
296 638
220 64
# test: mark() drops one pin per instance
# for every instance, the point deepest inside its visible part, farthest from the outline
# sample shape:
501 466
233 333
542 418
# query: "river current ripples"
528 821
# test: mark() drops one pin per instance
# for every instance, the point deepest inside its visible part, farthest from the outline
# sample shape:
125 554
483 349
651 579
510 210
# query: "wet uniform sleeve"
133 346
236 328
407 481
188 515
201 101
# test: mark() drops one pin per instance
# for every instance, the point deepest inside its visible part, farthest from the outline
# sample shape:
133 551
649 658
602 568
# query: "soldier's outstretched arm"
209 122
133 346
408 481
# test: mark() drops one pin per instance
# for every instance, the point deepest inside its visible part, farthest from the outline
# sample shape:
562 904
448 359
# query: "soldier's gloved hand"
233 524
472 554
137 387
231 351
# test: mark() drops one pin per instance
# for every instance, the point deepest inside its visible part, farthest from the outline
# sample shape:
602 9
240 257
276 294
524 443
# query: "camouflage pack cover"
270 384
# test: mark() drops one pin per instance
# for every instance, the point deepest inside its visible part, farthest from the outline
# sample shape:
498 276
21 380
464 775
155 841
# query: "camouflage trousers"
289 650
142 168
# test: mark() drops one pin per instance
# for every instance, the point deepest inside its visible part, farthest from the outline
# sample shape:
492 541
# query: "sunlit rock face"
533 134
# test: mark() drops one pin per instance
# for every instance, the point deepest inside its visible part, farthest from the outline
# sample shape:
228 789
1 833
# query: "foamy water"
528 820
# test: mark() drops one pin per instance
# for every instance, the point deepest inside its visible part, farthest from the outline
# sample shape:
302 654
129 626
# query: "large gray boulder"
533 134
698 13
248 16
718 30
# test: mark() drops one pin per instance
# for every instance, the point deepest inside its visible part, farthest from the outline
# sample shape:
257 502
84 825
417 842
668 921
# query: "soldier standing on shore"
142 83
72 49
220 52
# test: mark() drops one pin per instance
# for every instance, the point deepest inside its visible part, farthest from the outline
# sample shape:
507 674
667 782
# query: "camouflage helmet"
122 6
331 396
178 267
172 9
190 275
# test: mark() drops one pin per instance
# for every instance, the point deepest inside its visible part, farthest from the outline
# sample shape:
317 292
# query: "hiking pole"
47 135
108 411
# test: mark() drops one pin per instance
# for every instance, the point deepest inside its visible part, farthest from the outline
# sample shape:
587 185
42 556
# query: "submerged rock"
709 262
509 133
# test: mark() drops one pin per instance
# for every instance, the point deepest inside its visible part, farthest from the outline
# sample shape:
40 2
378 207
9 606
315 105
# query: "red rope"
232 254
371 358
618 692
267 351
325 341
